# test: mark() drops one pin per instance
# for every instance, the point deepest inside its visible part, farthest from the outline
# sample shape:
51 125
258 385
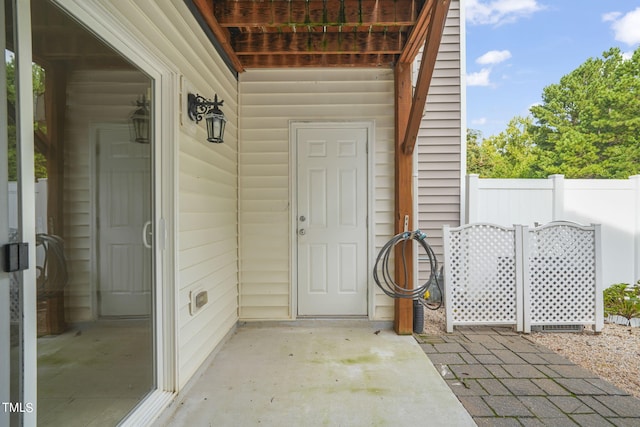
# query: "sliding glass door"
77 290
17 353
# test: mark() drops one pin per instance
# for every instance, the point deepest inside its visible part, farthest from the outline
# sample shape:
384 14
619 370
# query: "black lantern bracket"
199 106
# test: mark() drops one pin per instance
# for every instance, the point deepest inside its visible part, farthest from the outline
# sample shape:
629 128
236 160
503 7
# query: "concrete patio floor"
317 373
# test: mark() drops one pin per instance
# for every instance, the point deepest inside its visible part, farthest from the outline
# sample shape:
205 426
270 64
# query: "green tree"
510 154
40 161
588 124
480 160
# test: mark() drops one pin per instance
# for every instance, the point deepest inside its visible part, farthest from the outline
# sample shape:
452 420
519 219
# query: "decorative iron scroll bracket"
199 106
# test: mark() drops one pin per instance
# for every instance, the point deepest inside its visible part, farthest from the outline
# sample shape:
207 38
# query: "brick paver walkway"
503 379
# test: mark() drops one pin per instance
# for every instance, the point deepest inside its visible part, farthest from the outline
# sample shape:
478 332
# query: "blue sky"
517 47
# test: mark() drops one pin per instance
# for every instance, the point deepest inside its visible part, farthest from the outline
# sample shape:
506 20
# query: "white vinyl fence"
613 203
523 277
40 189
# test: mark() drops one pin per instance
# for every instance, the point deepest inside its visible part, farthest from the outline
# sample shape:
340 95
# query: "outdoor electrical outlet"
201 299
198 299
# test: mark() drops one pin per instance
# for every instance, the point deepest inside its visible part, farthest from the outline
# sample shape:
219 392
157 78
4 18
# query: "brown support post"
409 111
403 319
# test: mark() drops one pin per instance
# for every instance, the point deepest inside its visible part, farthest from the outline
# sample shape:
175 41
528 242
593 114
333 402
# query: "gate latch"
16 257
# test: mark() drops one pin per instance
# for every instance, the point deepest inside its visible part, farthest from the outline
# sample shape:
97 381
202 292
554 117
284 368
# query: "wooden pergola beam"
205 7
313 43
354 60
234 13
409 111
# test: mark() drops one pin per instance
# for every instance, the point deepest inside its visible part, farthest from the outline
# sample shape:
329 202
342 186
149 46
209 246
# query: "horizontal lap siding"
207 177
439 142
269 100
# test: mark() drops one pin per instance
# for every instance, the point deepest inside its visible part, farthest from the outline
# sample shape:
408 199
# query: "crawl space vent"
557 328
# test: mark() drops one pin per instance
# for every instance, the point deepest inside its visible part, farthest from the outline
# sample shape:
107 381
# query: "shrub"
623 300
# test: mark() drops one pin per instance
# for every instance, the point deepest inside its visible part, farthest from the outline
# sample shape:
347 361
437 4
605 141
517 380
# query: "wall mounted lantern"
199 107
140 121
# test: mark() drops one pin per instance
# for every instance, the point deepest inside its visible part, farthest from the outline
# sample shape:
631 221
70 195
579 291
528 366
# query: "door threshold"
343 320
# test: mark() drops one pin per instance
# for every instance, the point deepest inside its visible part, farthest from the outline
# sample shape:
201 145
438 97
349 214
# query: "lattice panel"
481 274
14 298
562 274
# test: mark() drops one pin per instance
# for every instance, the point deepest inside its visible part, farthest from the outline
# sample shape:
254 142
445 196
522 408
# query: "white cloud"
626 27
611 16
481 121
481 78
498 12
494 57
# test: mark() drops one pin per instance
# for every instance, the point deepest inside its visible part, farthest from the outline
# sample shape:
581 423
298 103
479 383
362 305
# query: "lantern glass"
140 123
215 126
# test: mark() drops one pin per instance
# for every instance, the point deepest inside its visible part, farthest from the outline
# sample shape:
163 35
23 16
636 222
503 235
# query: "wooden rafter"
313 33
234 13
318 60
327 43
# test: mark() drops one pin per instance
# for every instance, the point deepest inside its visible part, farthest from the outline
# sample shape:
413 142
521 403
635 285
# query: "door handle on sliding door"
145 234
16 257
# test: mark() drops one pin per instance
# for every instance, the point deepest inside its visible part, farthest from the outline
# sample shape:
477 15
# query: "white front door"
332 219
124 223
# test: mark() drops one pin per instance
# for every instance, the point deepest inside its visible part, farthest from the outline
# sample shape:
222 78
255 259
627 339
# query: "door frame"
294 126
104 20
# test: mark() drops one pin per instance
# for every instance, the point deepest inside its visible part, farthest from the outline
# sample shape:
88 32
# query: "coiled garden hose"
389 285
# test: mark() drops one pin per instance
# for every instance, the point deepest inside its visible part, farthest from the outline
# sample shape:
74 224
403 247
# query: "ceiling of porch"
317 33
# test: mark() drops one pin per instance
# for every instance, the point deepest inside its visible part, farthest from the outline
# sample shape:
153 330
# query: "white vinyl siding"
206 176
440 140
269 100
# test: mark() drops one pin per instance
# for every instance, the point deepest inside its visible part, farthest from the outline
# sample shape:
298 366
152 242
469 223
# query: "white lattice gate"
481 274
522 277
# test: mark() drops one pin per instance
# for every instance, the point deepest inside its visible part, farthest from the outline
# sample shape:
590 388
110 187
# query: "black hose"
389 285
